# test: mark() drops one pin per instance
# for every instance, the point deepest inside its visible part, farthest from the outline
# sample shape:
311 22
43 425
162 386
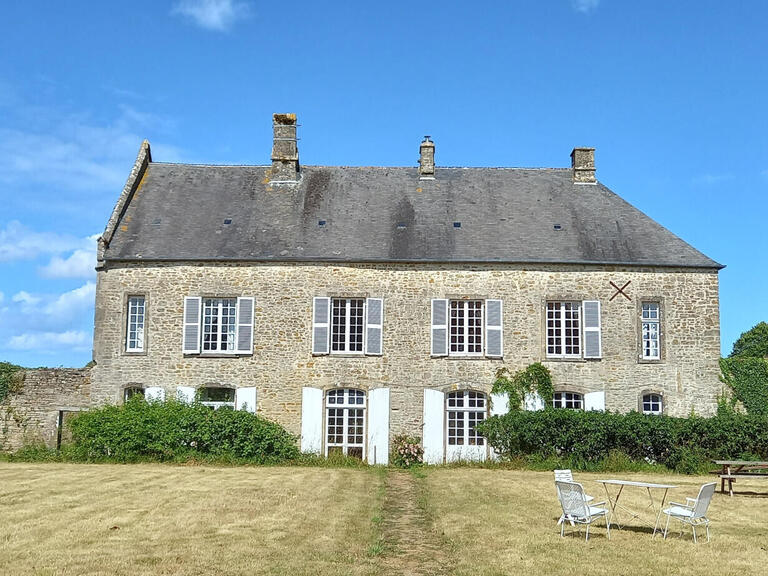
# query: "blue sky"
672 95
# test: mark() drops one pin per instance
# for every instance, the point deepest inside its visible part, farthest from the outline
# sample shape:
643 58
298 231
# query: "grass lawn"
63 519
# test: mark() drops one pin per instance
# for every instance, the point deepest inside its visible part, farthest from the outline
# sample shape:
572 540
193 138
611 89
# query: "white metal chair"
567 476
576 510
693 512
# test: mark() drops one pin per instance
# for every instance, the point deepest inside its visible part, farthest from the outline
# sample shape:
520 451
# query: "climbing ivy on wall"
533 379
748 380
11 377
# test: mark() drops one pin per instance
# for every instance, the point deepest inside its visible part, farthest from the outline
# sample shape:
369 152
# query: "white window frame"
647 321
462 307
347 326
349 397
465 410
219 317
216 404
651 399
136 307
562 398
559 317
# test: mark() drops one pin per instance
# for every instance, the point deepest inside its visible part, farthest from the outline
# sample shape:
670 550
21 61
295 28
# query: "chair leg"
607 527
562 530
666 528
707 526
588 525
693 527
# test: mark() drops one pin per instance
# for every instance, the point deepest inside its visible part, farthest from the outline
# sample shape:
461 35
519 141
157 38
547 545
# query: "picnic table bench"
734 469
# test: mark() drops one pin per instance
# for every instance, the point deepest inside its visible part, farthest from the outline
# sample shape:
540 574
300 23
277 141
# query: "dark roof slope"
188 212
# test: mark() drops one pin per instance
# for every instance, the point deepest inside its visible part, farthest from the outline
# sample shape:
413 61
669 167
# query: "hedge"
748 378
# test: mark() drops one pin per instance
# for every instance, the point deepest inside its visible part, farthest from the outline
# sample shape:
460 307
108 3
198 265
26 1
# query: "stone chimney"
427 158
285 151
583 165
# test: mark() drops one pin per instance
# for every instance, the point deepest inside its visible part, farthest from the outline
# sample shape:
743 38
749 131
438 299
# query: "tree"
753 343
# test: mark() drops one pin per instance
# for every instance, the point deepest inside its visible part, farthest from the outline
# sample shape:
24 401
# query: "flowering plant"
406 451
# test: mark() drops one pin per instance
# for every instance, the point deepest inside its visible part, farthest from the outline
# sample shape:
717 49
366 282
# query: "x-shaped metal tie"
621 291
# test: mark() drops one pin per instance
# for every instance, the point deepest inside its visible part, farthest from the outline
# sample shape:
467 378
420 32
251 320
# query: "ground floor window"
652 404
345 422
132 391
572 400
216 398
466 410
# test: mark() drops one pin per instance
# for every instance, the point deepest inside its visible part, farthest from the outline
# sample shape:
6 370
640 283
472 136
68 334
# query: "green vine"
11 379
748 381
533 379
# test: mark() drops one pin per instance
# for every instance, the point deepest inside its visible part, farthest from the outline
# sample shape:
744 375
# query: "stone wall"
30 414
282 363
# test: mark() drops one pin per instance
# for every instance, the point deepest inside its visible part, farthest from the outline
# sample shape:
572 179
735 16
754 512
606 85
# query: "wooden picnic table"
733 469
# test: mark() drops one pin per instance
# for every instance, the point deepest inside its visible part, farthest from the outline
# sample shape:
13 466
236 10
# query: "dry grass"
62 519
504 522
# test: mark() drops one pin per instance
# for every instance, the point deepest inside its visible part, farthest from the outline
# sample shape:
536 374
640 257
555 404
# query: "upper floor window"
347 325
466 327
219 317
348 322
218 325
652 404
572 400
651 345
216 397
573 329
134 334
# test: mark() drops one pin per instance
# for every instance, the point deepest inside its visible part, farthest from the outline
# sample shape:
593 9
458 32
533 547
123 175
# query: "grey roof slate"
379 214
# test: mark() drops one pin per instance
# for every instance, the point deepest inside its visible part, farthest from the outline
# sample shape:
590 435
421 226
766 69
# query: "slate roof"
365 214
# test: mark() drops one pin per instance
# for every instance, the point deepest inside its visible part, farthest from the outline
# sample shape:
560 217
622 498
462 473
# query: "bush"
595 439
172 430
406 451
748 379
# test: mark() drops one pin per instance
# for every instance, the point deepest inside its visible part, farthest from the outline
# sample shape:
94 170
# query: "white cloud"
2 297
17 242
212 14
79 264
585 6
711 179
71 303
44 341
25 298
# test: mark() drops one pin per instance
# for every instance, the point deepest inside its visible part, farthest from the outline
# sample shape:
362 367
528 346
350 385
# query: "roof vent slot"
457 224
558 227
228 221
321 223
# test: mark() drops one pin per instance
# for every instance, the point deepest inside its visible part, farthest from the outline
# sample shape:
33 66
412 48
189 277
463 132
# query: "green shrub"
11 377
748 379
406 451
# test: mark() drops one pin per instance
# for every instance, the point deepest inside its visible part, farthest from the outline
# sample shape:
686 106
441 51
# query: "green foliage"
11 377
534 378
586 439
753 343
172 430
406 451
748 380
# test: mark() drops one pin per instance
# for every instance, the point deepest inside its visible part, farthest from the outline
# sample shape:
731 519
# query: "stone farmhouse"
351 304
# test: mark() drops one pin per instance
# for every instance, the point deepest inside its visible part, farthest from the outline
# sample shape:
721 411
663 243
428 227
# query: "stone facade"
282 362
45 397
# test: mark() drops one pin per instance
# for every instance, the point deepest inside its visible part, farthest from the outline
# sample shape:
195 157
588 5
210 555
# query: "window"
134 334
132 391
564 329
345 422
348 321
216 397
571 400
652 404
466 327
650 331
219 324
465 411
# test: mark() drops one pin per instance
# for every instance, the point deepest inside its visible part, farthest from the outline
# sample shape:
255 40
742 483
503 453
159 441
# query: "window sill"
469 357
134 353
218 355
576 360
650 361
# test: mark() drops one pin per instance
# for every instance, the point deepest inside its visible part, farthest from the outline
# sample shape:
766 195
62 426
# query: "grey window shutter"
494 328
191 336
593 342
245 325
321 325
439 327
374 320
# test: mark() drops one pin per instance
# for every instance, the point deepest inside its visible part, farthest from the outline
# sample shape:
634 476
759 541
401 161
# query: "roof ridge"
208 165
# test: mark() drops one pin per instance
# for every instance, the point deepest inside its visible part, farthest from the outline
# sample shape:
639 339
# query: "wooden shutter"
245 399
593 345
494 332
594 401
533 402
245 325
311 420
499 404
378 426
185 394
374 320
434 431
439 327
191 336
321 325
154 393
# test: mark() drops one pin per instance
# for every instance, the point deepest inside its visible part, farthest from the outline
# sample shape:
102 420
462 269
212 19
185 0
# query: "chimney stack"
285 151
583 165
427 158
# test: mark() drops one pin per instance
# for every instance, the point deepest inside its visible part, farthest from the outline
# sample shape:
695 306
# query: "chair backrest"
703 500
563 476
571 495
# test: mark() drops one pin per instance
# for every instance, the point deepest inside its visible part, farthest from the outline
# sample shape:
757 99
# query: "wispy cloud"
219 15
585 6
79 264
46 341
709 179
18 242
25 298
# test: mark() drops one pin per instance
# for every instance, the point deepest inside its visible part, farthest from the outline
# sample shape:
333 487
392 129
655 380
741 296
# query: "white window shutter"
154 393
311 420
245 325
533 402
374 320
378 426
191 336
593 344
439 327
321 325
434 431
494 328
499 404
594 401
245 399
185 394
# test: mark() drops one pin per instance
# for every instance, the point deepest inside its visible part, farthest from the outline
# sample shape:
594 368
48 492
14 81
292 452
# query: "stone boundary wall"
31 414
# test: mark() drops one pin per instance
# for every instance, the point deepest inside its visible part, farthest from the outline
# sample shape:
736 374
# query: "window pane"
213 394
135 328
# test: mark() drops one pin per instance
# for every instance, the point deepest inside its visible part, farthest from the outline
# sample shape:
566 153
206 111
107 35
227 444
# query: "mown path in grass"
411 546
